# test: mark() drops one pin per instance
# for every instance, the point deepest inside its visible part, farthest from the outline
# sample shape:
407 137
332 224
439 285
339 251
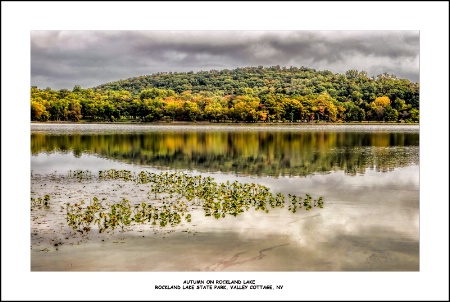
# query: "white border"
432 19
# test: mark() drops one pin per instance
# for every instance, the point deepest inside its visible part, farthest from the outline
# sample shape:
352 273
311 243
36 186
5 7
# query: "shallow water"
370 221
91 128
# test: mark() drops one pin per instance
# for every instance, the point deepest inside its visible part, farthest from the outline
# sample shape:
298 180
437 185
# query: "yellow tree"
37 110
382 101
215 111
173 107
190 111
378 106
326 106
341 112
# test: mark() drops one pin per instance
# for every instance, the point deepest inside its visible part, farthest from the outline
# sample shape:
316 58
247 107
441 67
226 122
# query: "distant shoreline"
222 123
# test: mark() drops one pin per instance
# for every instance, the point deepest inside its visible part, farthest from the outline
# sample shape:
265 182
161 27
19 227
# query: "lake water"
368 176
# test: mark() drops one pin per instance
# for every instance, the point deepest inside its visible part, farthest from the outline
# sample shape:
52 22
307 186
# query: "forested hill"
251 94
293 81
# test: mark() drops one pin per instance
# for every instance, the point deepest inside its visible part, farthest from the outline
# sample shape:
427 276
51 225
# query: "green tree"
390 114
190 110
215 112
154 93
151 110
414 115
291 109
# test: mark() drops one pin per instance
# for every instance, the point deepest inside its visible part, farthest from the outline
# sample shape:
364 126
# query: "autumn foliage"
253 94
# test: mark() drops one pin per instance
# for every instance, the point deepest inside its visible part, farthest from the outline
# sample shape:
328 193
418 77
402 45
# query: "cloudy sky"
63 59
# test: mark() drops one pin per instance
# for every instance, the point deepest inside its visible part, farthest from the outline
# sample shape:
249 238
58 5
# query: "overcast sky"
63 59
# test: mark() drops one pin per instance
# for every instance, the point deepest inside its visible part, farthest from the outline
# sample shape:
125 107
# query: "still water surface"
367 174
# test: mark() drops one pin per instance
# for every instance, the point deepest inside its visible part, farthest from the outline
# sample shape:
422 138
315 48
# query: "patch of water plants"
39 203
80 174
80 217
173 195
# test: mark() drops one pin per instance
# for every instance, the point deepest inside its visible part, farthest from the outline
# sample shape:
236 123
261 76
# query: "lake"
368 176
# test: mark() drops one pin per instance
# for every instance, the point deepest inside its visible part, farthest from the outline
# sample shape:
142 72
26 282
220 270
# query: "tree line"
253 94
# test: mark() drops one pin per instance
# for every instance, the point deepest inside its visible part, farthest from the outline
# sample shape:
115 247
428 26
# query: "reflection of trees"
255 153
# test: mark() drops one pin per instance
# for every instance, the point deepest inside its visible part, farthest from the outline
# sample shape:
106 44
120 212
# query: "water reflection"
263 152
370 221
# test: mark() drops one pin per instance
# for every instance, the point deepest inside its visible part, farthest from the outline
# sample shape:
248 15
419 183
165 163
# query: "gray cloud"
63 59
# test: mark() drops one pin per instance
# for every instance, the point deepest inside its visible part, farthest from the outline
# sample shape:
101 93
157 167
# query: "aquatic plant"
177 193
79 174
80 218
114 174
40 203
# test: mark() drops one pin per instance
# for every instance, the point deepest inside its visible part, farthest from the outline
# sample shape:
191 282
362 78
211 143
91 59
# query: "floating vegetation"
40 203
122 214
176 192
79 174
115 174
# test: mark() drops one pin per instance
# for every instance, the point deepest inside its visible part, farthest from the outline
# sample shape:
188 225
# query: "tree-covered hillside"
251 94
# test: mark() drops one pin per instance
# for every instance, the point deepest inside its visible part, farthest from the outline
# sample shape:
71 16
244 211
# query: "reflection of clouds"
62 163
369 222
374 248
328 184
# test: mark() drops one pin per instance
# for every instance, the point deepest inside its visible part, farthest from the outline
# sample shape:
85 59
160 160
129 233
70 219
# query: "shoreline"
202 123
